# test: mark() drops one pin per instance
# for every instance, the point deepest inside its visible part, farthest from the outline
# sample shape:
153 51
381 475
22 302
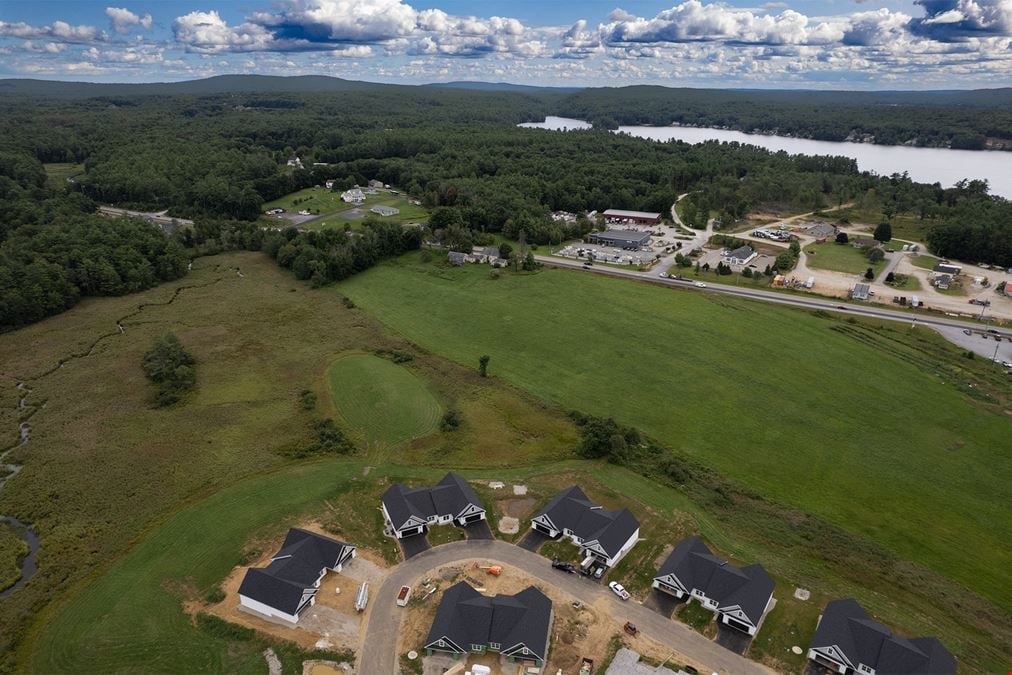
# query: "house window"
526 651
494 645
441 643
477 648
865 669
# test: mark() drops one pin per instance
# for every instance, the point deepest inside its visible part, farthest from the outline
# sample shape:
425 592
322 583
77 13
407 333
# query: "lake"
924 165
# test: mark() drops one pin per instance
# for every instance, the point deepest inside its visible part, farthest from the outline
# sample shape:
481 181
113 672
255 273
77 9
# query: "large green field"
381 400
840 258
853 424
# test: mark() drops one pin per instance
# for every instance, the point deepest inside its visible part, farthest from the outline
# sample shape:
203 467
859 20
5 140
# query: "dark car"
564 566
967 331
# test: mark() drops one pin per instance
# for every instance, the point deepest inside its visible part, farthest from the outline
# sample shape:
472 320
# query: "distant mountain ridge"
225 84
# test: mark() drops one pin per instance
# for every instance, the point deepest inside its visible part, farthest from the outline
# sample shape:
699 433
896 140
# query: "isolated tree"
883 232
505 250
842 238
170 367
483 365
875 255
890 278
785 261
870 274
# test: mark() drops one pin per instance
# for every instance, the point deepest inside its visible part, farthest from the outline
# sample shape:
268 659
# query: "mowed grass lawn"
873 442
841 258
323 202
315 199
383 401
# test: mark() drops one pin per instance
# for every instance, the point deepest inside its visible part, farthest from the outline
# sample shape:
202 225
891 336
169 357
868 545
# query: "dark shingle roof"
467 617
571 509
292 570
846 625
281 594
741 252
450 496
696 566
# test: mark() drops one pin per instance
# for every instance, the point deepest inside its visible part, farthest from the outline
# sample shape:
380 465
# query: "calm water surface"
925 165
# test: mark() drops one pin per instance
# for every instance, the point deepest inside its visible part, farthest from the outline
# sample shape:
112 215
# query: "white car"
618 590
700 284
663 275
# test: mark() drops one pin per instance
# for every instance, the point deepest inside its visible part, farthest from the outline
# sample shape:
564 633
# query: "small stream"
27 534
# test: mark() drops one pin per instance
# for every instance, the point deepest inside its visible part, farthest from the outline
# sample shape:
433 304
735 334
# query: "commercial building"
621 238
621 215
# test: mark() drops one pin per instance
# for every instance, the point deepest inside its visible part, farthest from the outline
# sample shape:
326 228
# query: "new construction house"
411 511
516 626
739 597
603 536
848 641
288 585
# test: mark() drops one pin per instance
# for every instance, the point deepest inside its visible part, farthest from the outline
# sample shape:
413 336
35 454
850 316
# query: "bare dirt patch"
331 622
577 632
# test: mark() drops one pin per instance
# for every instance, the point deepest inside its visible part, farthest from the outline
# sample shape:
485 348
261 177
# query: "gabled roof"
741 252
695 566
466 617
571 509
845 625
281 594
293 570
449 497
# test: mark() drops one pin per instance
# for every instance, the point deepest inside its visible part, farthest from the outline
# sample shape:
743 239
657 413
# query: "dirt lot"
331 622
586 631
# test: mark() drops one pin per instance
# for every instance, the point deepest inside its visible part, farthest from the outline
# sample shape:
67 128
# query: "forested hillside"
217 158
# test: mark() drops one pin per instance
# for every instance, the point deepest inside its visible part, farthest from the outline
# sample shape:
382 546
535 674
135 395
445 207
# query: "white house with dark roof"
605 536
353 196
288 585
848 641
516 626
411 511
739 597
742 255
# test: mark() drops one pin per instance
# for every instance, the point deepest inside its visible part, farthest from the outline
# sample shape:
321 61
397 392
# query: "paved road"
379 654
778 298
159 217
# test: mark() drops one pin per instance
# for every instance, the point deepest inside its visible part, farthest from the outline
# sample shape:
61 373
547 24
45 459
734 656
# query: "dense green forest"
217 158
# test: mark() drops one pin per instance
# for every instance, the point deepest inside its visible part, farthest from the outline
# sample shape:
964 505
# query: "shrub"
170 367
451 420
214 596
308 399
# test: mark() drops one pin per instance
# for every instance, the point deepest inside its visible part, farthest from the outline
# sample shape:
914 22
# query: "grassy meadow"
841 258
337 213
143 511
382 401
801 408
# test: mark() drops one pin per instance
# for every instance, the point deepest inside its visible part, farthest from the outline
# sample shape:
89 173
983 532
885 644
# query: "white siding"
266 610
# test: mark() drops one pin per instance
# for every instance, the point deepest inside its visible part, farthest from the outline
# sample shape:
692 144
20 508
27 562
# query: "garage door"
740 625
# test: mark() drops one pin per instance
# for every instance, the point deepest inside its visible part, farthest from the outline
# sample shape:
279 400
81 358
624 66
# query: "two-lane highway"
827 305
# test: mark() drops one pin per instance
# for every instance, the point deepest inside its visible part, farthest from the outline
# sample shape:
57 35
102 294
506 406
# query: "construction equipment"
494 570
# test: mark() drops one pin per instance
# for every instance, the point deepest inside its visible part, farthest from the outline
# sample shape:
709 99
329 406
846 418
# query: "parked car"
663 275
1006 364
619 590
700 284
599 572
992 331
563 565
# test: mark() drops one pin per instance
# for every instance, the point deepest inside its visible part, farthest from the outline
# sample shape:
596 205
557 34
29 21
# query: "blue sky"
866 44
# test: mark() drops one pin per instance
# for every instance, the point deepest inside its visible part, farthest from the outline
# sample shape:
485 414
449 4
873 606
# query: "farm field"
382 401
548 334
840 258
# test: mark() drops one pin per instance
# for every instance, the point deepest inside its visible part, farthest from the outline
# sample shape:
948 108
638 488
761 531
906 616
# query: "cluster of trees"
170 368
54 250
332 255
